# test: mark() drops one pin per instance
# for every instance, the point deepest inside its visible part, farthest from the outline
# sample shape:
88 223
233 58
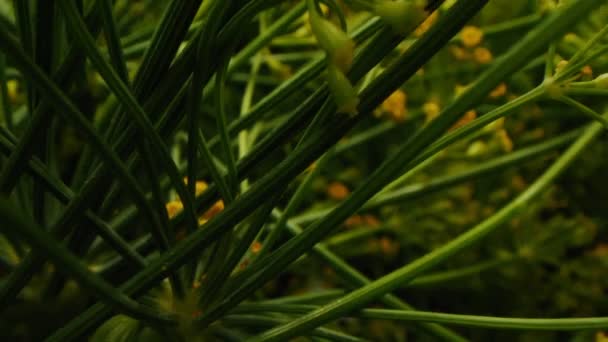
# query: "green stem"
584 109
549 61
272 31
258 321
308 298
292 205
440 278
508 323
586 92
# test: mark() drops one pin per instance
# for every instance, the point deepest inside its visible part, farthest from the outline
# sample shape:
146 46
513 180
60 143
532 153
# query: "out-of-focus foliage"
549 261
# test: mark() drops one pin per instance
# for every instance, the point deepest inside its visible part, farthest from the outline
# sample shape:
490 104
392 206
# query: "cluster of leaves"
202 170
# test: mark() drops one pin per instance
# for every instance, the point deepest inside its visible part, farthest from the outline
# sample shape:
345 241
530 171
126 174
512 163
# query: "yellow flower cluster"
501 134
366 220
175 207
471 37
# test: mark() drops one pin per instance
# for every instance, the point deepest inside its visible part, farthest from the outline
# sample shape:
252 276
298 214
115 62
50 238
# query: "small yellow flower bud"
336 43
499 91
256 247
586 72
459 89
573 39
337 191
459 53
395 105
200 186
388 247
465 119
345 95
505 140
471 36
174 208
482 55
214 210
431 110
495 126
477 148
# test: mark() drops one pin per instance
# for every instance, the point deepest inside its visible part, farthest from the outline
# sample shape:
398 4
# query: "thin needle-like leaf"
128 100
256 321
44 242
584 109
217 280
15 164
6 112
220 117
65 195
23 14
165 43
205 44
72 114
113 40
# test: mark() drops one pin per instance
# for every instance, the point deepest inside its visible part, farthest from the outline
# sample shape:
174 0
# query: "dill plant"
266 170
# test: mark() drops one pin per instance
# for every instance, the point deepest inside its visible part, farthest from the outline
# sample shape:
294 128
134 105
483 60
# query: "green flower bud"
402 15
345 95
336 43
601 81
547 6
